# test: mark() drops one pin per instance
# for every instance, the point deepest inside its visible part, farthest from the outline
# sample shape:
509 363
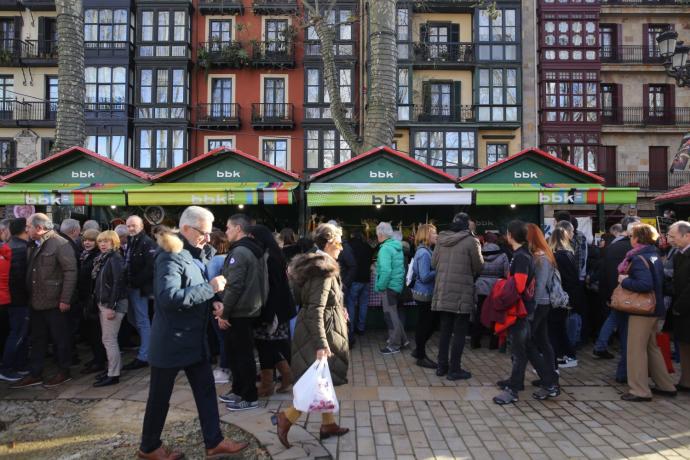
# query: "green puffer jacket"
390 266
315 282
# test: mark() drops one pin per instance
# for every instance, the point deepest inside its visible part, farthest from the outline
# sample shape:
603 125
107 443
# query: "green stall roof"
558 194
360 194
207 193
67 194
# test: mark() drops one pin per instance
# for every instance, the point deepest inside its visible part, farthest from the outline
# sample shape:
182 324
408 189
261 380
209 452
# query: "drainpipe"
362 61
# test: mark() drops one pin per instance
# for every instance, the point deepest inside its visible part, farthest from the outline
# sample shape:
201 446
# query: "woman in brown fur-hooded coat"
321 323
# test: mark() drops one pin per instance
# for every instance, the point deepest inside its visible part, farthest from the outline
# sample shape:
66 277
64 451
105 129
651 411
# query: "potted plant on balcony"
6 56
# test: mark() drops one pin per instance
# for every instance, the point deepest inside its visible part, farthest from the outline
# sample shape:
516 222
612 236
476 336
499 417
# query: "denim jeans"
558 318
14 357
358 294
138 316
622 369
523 350
606 331
574 328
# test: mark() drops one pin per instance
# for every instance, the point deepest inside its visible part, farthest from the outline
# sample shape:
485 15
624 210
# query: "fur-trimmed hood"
311 265
170 242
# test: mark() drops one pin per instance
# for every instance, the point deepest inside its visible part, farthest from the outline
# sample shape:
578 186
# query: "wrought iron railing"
630 54
444 53
652 180
273 113
644 116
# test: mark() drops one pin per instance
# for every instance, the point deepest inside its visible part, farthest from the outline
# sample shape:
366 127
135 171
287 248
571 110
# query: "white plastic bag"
314 391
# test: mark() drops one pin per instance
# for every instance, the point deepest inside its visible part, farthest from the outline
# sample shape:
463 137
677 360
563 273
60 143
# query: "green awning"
219 193
370 194
66 194
540 194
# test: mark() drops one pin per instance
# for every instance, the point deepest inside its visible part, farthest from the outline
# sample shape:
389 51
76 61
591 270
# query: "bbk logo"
392 199
44 200
525 175
209 199
562 197
228 174
380 175
83 175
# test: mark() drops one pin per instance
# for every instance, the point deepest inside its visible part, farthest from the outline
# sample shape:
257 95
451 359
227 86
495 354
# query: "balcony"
630 54
218 115
444 6
443 55
644 116
10 5
321 113
39 5
107 49
274 6
22 113
643 2
96 111
273 54
231 55
650 180
439 114
344 50
10 52
273 116
221 7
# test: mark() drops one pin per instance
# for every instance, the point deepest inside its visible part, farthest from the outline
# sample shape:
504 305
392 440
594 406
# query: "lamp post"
675 56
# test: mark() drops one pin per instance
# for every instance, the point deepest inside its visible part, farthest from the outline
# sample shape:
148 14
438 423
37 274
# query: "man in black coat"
139 268
358 293
178 338
679 237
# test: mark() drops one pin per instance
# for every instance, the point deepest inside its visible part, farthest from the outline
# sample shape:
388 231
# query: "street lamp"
675 56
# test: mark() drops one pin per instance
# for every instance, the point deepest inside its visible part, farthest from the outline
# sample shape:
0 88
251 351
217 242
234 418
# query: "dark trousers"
453 326
427 322
271 352
200 377
239 343
93 336
558 333
540 338
50 324
16 349
478 329
523 349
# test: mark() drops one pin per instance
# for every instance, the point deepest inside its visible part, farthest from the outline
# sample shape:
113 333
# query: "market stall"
677 200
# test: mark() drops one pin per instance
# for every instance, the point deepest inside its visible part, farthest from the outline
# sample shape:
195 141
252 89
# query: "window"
449 151
213 144
161 148
579 149
7 35
47 144
317 94
653 31
276 35
340 19
165 91
324 148
437 40
221 98
440 103
656 101
105 28
403 94
496 152
571 97
52 95
113 147
220 31
608 37
498 95
275 151
106 87
6 97
8 157
166 31
403 33
608 105
569 36
498 36
274 98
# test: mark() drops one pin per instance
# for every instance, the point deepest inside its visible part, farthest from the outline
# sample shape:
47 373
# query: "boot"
283 425
266 385
331 429
285 377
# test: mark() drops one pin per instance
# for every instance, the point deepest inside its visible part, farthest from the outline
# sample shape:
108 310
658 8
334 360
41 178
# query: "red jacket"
503 306
5 262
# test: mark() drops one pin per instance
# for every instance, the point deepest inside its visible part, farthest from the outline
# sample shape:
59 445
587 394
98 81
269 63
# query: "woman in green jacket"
390 275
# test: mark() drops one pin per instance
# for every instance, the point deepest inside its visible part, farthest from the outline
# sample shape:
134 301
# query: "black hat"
17 226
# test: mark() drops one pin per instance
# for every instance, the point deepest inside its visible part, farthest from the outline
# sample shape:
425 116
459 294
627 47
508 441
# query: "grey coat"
458 261
496 266
52 272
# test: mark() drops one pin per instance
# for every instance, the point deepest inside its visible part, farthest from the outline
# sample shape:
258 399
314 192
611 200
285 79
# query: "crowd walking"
245 295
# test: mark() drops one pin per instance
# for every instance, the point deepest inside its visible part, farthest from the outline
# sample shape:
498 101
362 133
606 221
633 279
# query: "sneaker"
602 354
241 405
23 372
27 381
221 376
567 362
9 376
405 345
387 350
507 396
57 380
230 397
546 393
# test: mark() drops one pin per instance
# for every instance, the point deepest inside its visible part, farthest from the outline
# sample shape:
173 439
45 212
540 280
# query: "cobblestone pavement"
398 410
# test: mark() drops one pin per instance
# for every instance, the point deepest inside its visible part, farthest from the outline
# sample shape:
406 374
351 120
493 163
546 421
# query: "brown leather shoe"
265 387
226 447
57 380
332 429
283 425
27 382
285 377
162 453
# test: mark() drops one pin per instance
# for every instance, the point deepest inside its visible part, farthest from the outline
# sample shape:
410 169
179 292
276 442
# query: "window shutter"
617 50
617 102
423 33
42 35
645 101
457 102
645 40
670 104
426 99
18 22
455 33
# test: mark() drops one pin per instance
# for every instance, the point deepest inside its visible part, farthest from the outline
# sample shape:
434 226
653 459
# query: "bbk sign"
228 174
83 175
44 199
381 175
563 197
525 175
392 199
209 198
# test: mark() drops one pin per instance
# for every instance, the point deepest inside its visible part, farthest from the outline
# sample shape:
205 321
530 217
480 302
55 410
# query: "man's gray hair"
616 228
193 215
121 230
41 220
91 225
683 227
384 229
70 226
5 223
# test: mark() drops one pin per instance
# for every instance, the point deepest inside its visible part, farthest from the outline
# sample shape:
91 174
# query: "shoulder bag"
634 303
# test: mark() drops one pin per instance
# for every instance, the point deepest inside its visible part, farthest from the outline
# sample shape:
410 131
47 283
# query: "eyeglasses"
337 244
206 235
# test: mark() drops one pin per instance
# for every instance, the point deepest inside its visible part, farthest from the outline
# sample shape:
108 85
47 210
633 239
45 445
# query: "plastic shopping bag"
314 391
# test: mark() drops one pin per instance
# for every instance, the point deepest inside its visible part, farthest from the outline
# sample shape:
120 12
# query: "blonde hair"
644 233
423 235
109 235
560 239
90 234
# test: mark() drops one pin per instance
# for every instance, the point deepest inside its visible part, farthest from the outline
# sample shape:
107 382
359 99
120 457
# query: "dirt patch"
78 429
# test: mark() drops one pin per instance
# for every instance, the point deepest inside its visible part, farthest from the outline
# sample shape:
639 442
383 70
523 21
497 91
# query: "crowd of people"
198 294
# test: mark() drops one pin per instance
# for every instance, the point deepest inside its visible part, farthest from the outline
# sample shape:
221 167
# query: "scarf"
625 264
99 262
85 254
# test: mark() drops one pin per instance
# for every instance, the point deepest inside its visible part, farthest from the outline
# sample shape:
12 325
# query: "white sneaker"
221 376
568 362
